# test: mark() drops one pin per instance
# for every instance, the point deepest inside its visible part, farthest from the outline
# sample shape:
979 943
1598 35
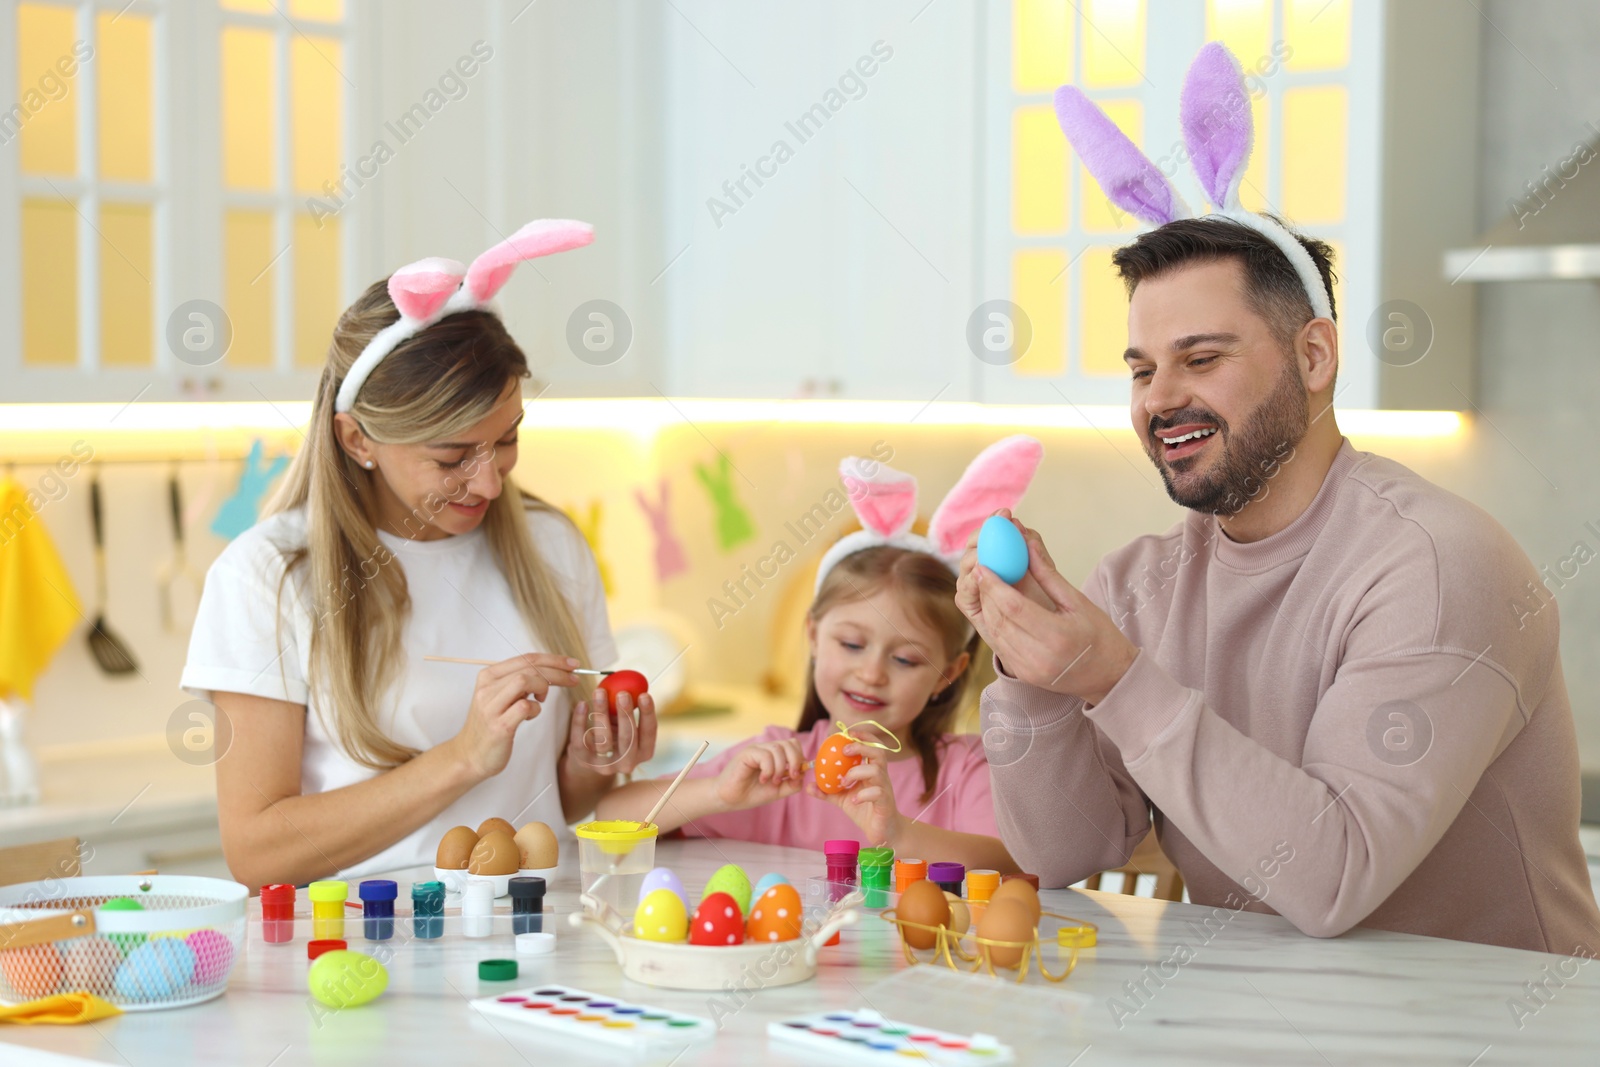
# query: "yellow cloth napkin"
38 607
62 1008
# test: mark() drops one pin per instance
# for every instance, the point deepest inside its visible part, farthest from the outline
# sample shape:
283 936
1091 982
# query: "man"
1330 686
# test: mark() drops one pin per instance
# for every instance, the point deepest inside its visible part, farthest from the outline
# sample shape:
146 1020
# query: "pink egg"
213 955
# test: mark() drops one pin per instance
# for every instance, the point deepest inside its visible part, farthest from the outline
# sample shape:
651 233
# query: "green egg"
732 880
345 979
126 943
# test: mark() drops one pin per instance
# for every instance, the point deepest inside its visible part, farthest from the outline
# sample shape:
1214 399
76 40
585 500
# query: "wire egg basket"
173 945
984 954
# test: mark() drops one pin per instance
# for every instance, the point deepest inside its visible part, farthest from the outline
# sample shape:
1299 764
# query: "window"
110 170
1053 230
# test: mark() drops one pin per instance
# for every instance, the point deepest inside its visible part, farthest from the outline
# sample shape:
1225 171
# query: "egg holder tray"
949 946
57 936
678 965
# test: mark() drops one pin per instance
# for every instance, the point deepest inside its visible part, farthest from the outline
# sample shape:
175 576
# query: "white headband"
1218 132
429 289
885 500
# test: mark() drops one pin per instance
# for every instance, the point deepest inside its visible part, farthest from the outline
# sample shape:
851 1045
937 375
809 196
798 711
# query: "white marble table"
1252 990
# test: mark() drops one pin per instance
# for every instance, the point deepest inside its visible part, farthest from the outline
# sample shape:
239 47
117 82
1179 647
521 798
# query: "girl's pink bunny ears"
1218 131
885 500
429 289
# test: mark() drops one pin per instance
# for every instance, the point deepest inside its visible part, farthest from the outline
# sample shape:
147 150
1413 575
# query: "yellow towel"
38 607
61 1008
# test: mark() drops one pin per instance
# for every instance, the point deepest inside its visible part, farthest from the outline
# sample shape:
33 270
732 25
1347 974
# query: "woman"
398 534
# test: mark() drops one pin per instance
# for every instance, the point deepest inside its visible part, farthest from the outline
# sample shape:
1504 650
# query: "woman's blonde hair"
442 381
930 589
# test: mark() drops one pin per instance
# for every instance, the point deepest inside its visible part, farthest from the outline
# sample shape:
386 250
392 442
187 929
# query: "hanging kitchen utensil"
108 650
177 568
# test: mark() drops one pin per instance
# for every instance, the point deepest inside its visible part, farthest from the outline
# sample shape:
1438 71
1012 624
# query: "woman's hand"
507 694
868 796
761 773
594 748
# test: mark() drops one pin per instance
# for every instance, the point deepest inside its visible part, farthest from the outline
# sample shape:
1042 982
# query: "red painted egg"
831 764
633 683
717 922
775 916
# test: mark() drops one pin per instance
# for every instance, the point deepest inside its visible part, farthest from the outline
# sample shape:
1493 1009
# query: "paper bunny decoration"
885 500
429 289
238 512
733 521
589 526
1218 131
670 558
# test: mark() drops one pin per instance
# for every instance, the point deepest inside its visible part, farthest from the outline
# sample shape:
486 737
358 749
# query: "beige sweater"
1360 720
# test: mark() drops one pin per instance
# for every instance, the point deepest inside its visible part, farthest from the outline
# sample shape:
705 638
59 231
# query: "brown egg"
922 902
537 847
455 849
1005 920
495 824
495 853
1023 894
960 917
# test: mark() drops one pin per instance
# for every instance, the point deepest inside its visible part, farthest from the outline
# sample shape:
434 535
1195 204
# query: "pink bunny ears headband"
429 289
1218 131
885 500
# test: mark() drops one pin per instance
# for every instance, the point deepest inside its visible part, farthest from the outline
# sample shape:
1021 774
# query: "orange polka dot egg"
832 764
775 915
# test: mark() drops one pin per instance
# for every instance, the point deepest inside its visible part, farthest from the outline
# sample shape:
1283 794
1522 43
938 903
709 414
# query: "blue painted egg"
156 969
1002 549
662 878
766 883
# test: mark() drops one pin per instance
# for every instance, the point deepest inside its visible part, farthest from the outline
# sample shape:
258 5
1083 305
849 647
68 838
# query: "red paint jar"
277 914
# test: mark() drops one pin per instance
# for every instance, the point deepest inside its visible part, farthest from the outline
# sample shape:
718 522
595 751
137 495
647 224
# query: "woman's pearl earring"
369 464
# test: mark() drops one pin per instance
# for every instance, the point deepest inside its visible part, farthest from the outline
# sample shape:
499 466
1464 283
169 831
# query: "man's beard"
1248 454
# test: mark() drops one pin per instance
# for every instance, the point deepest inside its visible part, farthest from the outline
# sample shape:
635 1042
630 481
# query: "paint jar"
327 909
477 907
614 855
527 905
947 876
877 875
982 884
277 914
317 948
841 860
427 910
377 908
908 871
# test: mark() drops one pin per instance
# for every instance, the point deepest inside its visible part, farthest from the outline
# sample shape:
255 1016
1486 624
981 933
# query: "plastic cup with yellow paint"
614 855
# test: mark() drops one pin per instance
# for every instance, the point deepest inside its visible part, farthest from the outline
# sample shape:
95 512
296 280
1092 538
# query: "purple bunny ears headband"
429 289
1218 131
885 500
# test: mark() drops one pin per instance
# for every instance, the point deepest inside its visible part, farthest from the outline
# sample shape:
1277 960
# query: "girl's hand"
592 744
507 694
761 773
867 797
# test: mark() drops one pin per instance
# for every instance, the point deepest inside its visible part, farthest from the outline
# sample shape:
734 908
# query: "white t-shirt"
461 605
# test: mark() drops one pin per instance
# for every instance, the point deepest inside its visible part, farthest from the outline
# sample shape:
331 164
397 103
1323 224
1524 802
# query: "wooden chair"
40 860
1146 859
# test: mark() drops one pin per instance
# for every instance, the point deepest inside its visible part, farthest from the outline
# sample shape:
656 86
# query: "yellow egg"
960 917
537 847
1005 920
661 916
495 853
922 903
455 849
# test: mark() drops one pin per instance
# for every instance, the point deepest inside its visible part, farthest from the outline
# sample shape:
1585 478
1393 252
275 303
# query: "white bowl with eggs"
494 855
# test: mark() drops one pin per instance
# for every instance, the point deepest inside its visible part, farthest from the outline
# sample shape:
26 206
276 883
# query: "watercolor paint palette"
585 1016
867 1037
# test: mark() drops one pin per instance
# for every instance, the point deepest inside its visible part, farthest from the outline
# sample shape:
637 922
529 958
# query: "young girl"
398 533
888 646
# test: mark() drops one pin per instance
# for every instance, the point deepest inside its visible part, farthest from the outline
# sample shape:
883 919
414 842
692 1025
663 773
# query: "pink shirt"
960 799
1358 720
